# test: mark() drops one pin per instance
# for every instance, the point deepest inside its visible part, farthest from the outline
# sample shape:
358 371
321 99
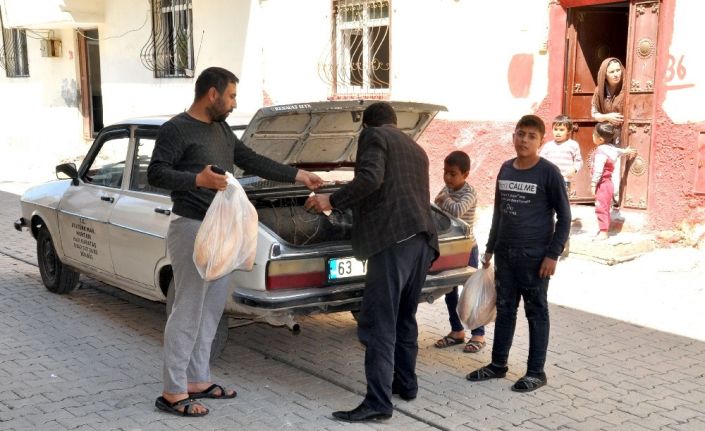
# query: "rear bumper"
20 223
333 298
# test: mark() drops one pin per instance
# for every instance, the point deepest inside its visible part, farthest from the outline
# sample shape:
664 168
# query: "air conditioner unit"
50 47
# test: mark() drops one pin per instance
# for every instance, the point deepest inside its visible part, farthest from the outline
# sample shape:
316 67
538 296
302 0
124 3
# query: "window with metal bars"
14 51
169 52
361 42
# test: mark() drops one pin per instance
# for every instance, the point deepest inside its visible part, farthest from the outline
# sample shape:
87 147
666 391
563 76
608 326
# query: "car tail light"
454 254
296 273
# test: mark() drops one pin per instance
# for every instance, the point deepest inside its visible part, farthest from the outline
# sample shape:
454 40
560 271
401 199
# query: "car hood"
324 134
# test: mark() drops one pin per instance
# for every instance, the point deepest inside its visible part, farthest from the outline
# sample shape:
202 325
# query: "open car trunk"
320 137
288 219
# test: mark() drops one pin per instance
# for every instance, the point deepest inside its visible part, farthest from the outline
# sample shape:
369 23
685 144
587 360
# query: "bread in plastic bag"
477 302
227 238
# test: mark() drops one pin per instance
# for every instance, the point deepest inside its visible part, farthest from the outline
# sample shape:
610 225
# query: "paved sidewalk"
91 360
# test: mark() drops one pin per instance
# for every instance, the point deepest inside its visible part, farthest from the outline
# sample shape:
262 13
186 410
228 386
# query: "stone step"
616 249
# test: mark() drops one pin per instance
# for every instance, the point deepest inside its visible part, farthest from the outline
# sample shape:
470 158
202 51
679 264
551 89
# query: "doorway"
594 33
91 92
627 30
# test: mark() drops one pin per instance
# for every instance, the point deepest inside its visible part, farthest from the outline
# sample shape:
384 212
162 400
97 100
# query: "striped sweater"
460 203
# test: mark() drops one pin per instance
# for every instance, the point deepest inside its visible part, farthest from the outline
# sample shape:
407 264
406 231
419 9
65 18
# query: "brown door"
85 87
91 92
594 33
639 105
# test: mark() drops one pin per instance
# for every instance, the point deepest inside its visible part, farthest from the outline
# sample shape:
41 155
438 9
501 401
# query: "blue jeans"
452 300
516 277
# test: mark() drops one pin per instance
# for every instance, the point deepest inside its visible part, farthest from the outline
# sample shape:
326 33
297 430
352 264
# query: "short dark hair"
214 77
532 121
605 131
563 120
379 114
459 159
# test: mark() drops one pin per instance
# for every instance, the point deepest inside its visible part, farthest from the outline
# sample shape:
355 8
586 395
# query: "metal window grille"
361 47
169 52
14 52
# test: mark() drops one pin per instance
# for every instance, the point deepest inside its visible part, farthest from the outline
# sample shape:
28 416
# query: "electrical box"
50 47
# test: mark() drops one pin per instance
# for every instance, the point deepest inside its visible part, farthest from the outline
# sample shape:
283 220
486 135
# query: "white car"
104 220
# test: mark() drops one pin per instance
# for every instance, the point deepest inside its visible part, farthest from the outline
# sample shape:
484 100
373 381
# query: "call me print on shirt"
515 192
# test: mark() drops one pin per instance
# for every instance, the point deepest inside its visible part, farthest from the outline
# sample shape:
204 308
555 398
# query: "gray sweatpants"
198 307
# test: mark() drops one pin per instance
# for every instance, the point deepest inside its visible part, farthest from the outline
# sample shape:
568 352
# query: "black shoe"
361 413
487 372
404 395
530 383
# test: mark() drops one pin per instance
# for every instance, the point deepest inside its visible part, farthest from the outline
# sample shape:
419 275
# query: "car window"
108 165
143 154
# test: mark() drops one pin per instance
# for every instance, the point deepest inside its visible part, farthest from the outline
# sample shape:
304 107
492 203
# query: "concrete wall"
680 119
40 114
223 36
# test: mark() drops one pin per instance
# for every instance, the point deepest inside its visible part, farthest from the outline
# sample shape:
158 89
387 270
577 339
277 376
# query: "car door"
140 219
86 206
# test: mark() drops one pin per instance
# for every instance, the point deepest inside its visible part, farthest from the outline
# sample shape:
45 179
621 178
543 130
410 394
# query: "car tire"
221 334
57 277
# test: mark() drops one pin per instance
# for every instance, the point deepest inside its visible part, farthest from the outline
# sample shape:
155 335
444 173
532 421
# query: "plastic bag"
227 238
476 305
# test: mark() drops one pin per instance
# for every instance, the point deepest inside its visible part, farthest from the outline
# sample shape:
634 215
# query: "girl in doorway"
602 185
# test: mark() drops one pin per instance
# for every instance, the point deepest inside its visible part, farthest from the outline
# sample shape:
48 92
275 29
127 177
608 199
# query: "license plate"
346 267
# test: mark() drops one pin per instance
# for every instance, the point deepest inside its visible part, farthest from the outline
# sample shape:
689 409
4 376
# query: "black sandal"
187 403
528 384
211 392
486 373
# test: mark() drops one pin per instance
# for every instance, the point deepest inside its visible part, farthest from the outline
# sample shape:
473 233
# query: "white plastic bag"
476 305
227 238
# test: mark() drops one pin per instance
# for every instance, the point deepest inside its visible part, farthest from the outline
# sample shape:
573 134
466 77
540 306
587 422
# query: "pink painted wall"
672 197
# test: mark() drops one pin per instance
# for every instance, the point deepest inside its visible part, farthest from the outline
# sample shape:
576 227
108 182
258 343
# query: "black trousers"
387 322
517 277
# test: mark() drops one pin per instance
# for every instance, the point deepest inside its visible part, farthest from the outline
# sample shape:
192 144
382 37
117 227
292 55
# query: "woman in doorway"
608 105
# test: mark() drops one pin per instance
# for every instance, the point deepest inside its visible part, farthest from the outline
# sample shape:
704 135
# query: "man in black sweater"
530 226
186 148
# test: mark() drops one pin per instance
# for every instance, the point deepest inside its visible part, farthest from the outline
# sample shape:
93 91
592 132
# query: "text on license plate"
346 267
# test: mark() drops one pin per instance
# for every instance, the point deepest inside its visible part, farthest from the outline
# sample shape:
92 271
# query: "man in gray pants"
187 147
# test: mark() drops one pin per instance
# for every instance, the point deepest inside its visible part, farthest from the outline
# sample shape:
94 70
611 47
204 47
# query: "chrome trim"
82 216
137 230
291 299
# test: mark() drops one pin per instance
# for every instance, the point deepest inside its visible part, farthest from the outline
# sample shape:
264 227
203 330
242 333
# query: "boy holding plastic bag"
458 198
526 243
186 148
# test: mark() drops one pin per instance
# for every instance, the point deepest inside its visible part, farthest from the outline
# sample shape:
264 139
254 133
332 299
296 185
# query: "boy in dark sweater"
530 226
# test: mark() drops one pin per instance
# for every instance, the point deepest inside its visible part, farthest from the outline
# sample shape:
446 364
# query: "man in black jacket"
187 147
393 230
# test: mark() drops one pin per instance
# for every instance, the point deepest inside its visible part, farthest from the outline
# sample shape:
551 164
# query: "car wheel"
221 334
56 276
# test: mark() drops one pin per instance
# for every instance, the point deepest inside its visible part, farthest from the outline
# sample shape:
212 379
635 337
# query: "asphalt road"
91 360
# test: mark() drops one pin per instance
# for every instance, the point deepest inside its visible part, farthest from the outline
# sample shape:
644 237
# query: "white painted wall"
295 40
685 73
221 37
457 53
40 113
450 52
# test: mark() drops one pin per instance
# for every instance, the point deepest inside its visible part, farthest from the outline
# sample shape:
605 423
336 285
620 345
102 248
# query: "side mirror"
67 170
